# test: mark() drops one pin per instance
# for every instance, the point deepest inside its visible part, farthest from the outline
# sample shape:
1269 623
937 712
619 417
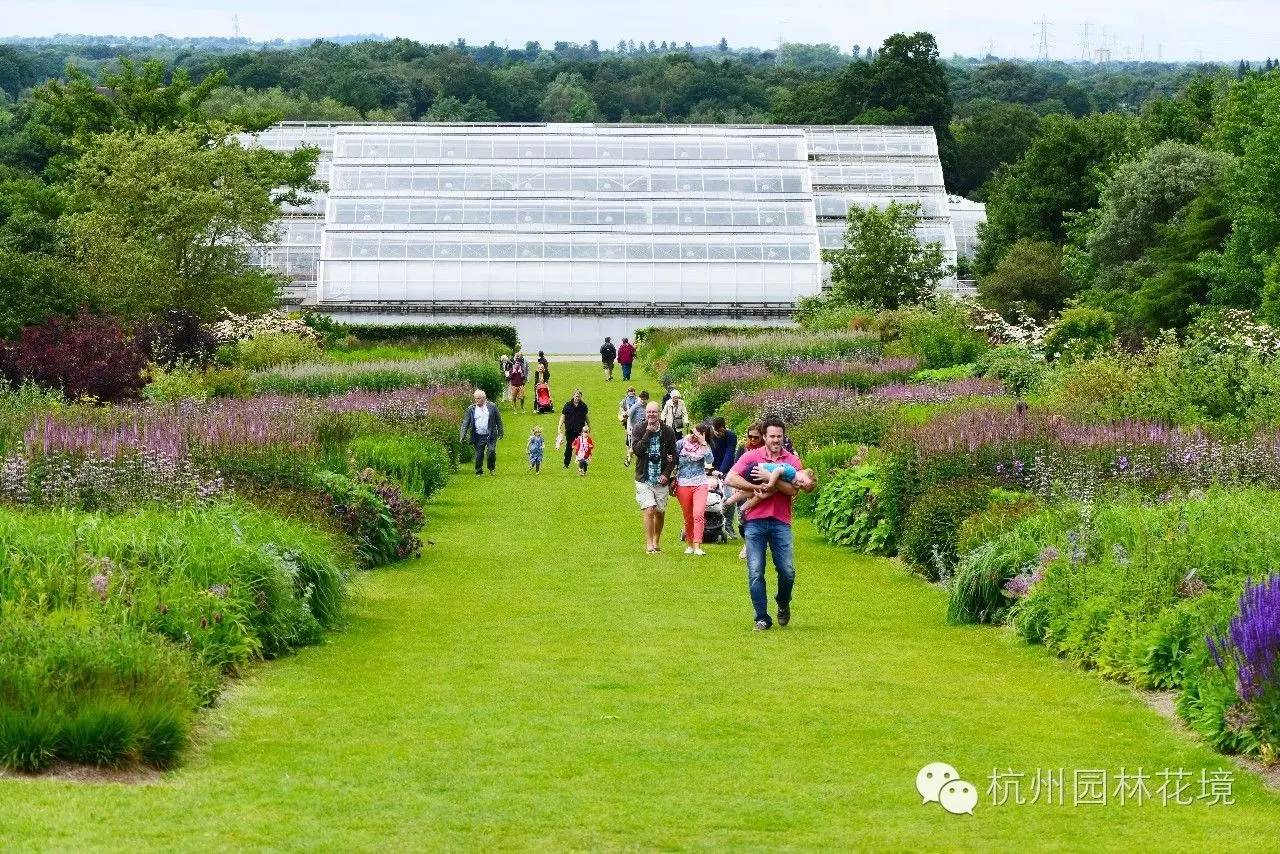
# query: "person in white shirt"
483 426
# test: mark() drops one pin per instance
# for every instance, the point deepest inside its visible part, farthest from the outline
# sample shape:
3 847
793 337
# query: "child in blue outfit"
535 451
778 472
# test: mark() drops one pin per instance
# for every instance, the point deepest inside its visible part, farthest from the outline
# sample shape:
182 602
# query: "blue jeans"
626 370
776 536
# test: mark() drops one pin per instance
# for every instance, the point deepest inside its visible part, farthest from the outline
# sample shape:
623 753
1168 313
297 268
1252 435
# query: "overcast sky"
1177 29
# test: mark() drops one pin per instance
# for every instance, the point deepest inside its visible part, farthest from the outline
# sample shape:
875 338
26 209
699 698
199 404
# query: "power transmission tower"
1042 29
1084 41
235 26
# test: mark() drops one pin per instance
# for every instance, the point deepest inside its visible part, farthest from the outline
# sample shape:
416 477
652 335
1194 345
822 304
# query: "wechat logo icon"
940 783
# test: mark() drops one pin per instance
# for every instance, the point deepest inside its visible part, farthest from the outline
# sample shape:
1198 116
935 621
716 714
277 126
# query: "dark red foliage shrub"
176 336
89 355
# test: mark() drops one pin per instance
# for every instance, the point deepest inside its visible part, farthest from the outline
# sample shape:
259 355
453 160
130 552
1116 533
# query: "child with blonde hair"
583 447
535 450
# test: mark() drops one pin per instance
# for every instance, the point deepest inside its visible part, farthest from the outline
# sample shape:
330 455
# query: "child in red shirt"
583 447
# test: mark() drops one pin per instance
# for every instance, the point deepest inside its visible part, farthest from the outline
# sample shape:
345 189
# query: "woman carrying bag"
675 414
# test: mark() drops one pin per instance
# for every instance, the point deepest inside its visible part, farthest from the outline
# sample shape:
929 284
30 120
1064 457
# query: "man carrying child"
768 518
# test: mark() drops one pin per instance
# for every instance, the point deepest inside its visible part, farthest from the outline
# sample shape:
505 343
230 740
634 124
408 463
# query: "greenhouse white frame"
641 220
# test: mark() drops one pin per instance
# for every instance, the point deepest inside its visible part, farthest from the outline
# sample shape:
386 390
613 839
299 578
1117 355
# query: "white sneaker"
688 550
699 552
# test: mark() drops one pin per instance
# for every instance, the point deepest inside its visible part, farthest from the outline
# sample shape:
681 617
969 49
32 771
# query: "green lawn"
538 681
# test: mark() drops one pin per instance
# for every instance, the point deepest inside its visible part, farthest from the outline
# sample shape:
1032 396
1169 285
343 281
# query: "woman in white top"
675 414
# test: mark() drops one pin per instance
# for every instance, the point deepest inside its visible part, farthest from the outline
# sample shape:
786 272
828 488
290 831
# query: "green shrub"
861 425
270 350
653 342
1080 333
227 382
941 375
685 358
931 528
83 690
848 512
230 582
180 382
382 522
352 350
826 462
1018 368
824 314
28 741
414 333
942 336
1206 704
416 464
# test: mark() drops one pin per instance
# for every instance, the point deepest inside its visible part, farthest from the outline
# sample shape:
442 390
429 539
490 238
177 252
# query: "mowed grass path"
537 682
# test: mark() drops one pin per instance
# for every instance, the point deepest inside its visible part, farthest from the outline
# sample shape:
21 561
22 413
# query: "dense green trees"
1158 217
1062 172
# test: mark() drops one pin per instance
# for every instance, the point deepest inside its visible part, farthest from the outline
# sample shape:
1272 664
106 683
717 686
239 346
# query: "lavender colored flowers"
1022 583
1251 645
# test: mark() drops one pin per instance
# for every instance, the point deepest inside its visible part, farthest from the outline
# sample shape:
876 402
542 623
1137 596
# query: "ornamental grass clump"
318 379
684 359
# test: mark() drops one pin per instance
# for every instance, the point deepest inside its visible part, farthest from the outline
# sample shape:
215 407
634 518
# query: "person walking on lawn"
675 413
624 409
653 444
608 354
516 379
626 355
693 457
482 424
724 449
573 417
635 417
768 524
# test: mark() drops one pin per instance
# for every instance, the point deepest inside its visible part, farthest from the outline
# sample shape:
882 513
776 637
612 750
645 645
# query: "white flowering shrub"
238 327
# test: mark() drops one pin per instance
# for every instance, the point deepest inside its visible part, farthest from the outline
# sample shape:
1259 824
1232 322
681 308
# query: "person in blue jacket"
724 452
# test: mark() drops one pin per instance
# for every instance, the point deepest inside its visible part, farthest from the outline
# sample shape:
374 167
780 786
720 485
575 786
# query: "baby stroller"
714 530
542 399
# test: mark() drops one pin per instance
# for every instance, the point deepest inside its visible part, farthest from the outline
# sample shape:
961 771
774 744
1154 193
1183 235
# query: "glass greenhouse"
594 219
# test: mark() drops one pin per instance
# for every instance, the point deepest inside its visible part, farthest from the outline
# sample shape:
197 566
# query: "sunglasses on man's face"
754 439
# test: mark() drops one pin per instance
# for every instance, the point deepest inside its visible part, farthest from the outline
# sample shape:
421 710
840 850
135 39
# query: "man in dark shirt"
724 450
608 354
573 417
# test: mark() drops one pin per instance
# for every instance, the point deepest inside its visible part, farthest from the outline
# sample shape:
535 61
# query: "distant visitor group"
715 480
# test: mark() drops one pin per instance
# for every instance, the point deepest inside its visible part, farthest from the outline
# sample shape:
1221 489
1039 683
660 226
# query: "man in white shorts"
653 444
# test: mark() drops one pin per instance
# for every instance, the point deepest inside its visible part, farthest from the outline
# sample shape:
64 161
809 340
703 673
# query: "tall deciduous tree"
1030 278
568 100
164 219
882 264
993 134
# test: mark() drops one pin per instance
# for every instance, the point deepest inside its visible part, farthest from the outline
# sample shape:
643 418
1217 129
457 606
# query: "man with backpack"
608 354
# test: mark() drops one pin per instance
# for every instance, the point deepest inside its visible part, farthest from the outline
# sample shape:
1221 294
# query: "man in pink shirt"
768 524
